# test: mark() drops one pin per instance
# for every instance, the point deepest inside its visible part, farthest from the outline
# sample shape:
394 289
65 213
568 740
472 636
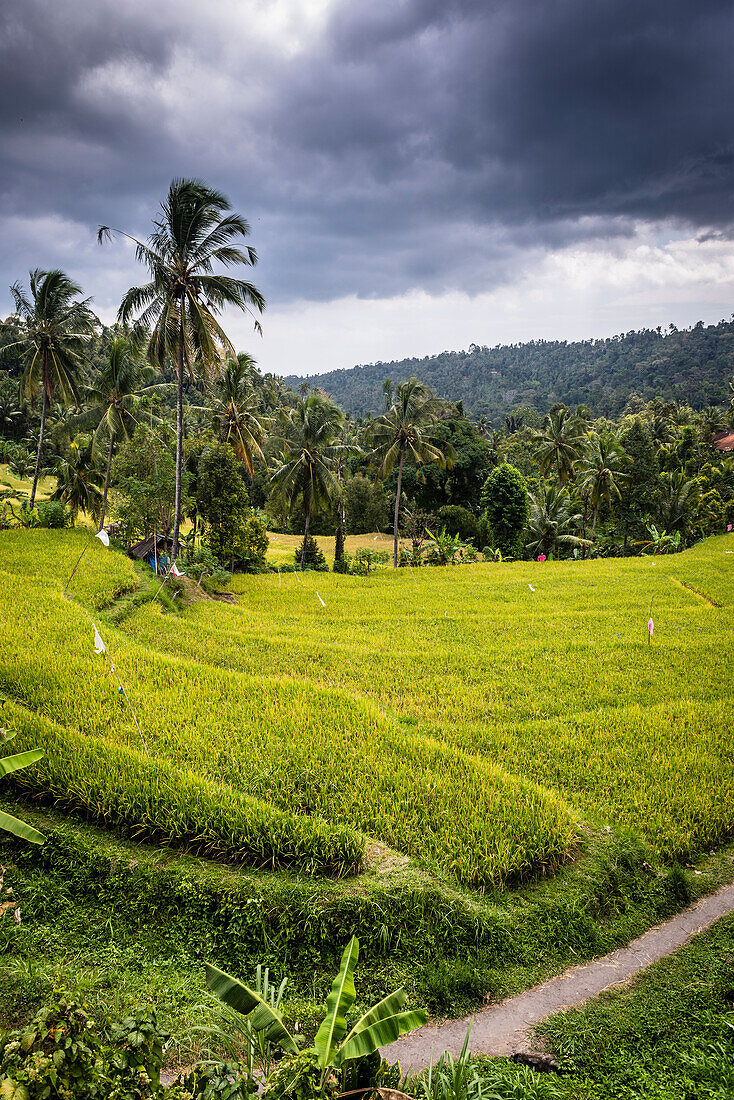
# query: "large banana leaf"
263 1017
340 1000
10 764
11 824
380 1026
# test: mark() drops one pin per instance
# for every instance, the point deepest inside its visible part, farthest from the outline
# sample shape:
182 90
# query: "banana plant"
333 1044
8 765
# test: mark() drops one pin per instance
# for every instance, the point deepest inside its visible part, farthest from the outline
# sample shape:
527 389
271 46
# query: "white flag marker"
531 588
320 600
103 537
176 571
99 646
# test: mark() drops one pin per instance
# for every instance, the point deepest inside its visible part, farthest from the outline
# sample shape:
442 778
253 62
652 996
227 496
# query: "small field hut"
155 549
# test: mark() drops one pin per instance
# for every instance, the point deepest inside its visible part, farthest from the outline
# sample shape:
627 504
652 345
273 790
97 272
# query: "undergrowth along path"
505 1028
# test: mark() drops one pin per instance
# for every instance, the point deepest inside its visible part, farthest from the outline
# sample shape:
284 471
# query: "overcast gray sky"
418 174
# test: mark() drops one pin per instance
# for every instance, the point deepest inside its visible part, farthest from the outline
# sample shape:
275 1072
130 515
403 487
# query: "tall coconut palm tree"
310 449
238 409
602 470
113 401
51 332
348 438
559 443
552 520
180 304
403 434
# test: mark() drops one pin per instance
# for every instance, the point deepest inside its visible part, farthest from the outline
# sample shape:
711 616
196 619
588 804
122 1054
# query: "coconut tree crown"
55 327
194 232
403 433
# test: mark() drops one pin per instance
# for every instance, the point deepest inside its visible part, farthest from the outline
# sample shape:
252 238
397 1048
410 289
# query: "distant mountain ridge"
685 365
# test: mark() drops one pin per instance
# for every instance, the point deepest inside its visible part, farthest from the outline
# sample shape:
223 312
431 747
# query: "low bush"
313 557
201 563
458 521
53 514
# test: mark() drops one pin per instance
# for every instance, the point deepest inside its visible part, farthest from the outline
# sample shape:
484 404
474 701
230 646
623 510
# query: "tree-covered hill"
691 366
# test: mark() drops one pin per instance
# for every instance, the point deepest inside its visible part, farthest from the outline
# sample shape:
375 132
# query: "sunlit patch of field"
283 548
20 488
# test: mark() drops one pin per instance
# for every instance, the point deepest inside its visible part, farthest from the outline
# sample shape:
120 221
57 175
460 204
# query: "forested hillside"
690 366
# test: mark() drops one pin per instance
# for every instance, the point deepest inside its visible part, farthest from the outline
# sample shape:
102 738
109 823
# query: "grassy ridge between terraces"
558 684
313 751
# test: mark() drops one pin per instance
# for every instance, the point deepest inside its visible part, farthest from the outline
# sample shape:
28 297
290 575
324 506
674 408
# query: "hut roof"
725 442
162 544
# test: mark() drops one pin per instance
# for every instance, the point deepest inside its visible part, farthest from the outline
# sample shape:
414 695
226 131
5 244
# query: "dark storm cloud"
406 144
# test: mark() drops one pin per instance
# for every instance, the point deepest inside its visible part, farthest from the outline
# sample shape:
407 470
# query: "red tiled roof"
725 442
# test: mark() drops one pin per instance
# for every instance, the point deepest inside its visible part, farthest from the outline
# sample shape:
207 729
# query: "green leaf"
263 1017
383 1024
18 828
340 1000
10 764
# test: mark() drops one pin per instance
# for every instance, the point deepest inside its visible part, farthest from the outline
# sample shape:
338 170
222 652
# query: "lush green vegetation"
669 1035
692 366
485 773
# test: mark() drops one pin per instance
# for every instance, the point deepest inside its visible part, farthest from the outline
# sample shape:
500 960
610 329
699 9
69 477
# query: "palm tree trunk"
397 510
583 525
106 481
40 441
340 520
305 533
179 438
339 539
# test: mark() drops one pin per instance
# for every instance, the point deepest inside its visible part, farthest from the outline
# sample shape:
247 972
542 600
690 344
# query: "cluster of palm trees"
172 321
316 440
594 463
588 468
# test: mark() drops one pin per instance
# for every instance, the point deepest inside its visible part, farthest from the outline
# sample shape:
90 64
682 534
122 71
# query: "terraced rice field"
477 717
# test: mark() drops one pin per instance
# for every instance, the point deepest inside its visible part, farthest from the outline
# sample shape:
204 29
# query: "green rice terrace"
492 756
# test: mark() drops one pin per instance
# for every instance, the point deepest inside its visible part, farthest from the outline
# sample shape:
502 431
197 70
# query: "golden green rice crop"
453 714
310 750
558 685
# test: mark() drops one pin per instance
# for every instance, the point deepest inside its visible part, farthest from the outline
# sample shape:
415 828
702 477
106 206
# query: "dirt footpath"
504 1028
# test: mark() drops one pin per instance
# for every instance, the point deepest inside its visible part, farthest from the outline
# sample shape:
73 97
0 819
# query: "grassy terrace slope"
267 769
557 685
454 715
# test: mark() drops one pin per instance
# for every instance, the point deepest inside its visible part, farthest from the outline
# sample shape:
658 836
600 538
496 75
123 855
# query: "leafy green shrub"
443 549
364 561
138 1043
58 1055
298 1077
506 503
458 521
201 563
53 514
313 556
215 1079
222 502
253 546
